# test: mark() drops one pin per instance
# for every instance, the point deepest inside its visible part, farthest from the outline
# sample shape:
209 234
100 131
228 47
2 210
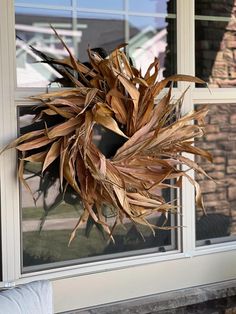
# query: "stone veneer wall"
215 49
220 140
215 42
216 63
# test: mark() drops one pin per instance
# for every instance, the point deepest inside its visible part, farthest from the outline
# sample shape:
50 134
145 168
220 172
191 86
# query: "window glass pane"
215 42
219 196
214 8
108 35
153 6
44 2
152 37
49 247
33 28
102 4
148 37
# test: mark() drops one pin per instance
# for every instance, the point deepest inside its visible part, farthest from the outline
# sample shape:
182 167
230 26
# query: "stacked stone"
216 43
220 139
216 64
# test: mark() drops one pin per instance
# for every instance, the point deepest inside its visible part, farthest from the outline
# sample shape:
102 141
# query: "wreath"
111 93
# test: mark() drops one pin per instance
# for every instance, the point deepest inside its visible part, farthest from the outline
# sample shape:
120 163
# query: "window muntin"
219 194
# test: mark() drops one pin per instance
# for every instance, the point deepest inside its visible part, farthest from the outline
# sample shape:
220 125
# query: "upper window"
148 26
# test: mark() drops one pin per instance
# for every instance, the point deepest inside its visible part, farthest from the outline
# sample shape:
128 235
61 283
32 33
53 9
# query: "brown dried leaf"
35 143
39 157
174 78
52 154
64 129
23 138
103 116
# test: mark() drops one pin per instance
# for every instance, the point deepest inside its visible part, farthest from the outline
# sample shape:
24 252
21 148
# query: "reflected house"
143 46
27 59
146 45
39 35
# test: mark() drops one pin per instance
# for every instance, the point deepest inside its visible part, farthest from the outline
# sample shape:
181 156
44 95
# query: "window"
186 259
219 195
146 31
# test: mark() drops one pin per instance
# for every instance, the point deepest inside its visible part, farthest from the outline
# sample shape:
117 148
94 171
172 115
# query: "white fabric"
31 298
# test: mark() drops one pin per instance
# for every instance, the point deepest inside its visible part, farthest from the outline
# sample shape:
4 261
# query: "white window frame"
121 278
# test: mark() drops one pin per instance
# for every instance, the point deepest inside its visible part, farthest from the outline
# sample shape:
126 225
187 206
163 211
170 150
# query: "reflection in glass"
152 6
56 213
215 42
219 195
214 8
44 2
148 39
100 30
33 28
102 4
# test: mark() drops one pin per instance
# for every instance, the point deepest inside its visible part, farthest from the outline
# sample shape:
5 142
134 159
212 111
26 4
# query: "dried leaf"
103 117
64 129
39 157
36 143
52 154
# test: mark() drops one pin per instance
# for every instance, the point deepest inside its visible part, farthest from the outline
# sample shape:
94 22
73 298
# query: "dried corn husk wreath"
114 94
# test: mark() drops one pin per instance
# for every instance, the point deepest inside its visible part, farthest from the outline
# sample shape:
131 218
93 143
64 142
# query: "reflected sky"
45 2
42 12
147 6
104 4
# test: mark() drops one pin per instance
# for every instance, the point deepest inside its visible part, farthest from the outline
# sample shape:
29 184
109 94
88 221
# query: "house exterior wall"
219 194
93 284
215 62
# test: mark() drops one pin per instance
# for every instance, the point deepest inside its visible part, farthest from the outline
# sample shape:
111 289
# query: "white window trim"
139 269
